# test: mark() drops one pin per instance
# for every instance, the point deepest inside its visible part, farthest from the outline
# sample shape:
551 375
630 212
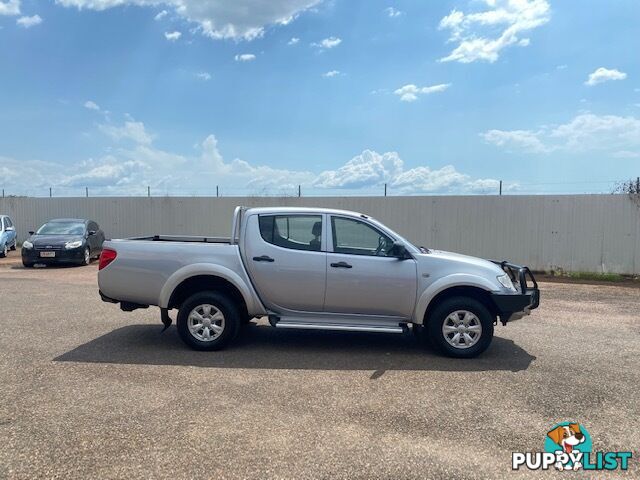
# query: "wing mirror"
400 251
92 232
31 232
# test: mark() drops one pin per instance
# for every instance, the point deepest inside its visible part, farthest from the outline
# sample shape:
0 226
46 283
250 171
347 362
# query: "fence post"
385 189
86 191
148 191
299 191
3 193
217 191
500 187
50 194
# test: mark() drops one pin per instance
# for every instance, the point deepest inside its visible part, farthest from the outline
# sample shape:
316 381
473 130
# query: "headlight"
27 244
70 245
506 282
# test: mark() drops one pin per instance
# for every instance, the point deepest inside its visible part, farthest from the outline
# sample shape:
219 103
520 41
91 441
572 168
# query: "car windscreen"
61 228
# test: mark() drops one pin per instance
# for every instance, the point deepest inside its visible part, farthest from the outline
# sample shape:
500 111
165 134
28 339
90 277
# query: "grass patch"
600 277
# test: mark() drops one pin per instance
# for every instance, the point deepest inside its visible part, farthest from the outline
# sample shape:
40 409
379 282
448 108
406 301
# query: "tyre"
13 247
27 264
460 327
86 260
4 251
208 321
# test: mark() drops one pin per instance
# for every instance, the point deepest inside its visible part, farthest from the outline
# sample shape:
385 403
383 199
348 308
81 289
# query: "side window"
8 222
299 232
358 238
5 223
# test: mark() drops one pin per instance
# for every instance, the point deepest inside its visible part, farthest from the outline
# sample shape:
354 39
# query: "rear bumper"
514 306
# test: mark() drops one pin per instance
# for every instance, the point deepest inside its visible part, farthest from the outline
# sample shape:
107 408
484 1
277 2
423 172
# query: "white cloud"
515 140
245 57
392 12
91 105
130 130
28 22
410 92
161 15
172 36
372 169
9 7
217 19
602 74
483 35
203 76
328 43
584 133
293 41
331 73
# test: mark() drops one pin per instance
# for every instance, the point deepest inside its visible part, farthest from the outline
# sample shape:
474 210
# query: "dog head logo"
570 440
567 436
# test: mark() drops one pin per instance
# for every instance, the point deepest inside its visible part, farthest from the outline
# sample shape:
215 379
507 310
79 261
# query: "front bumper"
513 306
74 255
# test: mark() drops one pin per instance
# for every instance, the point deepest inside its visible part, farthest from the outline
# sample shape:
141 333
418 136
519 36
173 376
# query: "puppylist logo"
568 446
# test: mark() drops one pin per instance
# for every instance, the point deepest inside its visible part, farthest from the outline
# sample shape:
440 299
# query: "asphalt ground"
88 391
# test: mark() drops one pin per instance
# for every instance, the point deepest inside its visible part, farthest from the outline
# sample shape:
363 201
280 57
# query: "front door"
286 259
362 277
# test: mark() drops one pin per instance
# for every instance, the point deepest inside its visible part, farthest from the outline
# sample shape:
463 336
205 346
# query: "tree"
629 187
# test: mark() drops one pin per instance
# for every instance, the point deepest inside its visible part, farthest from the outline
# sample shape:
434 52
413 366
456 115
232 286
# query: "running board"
341 327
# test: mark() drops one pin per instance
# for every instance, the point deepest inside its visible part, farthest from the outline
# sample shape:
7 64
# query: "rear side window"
8 222
298 232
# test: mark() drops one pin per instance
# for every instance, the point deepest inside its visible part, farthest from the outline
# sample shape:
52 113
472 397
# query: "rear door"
286 259
362 276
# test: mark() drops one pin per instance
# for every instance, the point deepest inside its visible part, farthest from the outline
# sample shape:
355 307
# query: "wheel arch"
464 286
193 278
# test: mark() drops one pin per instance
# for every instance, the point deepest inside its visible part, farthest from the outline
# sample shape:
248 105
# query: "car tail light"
106 257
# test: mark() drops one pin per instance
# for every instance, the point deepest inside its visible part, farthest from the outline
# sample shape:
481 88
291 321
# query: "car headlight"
506 282
27 244
74 244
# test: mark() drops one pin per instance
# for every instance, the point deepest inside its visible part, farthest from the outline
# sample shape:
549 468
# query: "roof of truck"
336 211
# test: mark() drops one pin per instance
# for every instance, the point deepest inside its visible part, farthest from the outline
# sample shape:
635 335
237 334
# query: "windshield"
61 228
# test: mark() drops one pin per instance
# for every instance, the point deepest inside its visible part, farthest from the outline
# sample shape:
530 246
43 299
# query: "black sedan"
64 240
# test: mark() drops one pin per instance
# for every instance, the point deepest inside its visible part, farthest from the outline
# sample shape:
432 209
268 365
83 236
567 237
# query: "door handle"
263 258
341 265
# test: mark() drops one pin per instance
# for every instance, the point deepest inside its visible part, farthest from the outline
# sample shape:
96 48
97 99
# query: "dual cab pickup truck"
313 268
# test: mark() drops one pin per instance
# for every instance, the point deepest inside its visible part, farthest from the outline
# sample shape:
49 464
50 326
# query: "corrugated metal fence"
596 233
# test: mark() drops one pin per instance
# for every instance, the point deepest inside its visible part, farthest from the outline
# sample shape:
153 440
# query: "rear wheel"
4 251
13 247
460 327
208 321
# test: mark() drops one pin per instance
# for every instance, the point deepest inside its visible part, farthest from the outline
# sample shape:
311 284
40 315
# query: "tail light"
106 257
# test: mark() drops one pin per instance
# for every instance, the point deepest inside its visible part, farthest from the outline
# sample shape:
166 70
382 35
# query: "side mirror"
31 232
399 250
92 232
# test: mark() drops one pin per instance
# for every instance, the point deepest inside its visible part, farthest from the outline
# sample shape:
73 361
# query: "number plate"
47 254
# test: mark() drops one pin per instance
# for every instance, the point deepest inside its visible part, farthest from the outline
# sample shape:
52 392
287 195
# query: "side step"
306 325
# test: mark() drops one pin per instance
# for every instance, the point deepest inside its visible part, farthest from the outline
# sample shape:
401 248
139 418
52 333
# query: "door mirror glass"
399 250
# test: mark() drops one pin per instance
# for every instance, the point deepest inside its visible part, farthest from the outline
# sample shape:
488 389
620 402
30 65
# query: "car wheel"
208 321
3 251
27 264
460 327
87 257
13 247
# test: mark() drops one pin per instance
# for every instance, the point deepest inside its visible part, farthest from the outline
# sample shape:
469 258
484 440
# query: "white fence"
595 233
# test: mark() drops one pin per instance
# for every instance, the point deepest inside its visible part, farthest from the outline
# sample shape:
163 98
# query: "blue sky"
339 96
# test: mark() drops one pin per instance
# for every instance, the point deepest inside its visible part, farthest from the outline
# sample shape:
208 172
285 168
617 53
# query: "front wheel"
460 327
86 259
208 321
